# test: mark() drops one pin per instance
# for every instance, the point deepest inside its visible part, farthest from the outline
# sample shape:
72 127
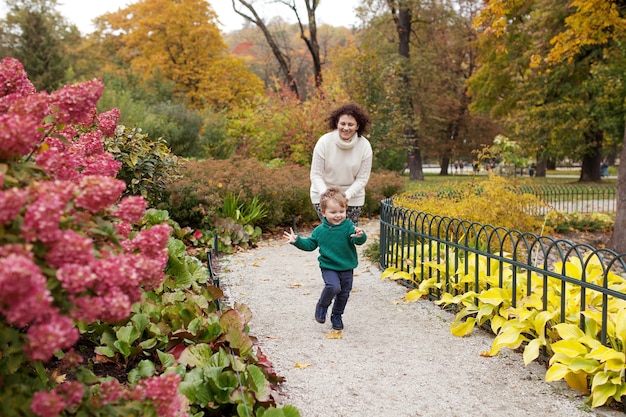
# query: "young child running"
336 238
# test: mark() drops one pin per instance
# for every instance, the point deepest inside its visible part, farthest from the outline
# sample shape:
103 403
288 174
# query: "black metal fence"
565 198
576 198
412 240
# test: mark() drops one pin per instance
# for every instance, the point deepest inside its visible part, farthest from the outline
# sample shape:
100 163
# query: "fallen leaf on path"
306 293
334 334
255 264
265 279
296 285
272 337
302 365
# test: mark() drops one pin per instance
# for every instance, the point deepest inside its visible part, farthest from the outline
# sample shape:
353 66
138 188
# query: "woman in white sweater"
343 158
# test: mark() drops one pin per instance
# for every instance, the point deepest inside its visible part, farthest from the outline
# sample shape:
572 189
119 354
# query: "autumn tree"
425 91
178 41
308 34
558 108
36 34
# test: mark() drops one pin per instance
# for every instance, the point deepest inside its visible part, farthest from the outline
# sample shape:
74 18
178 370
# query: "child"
336 238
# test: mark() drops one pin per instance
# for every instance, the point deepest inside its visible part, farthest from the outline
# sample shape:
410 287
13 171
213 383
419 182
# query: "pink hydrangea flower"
152 241
75 103
23 303
99 192
50 404
33 105
11 203
163 391
111 391
124 229
131 209
107 121
70 248
76 278
47 404
13 78
41 221
18 136
52 333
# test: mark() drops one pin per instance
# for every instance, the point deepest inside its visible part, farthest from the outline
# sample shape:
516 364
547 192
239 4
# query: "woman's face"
347 126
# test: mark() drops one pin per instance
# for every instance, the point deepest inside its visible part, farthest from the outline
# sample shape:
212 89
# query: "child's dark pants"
338 285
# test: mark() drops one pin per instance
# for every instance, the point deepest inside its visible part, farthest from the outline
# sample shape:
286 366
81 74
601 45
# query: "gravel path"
395 359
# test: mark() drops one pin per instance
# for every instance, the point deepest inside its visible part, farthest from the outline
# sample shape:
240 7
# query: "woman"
343 158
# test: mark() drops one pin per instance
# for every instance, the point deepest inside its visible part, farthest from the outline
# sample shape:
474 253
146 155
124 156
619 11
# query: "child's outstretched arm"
290 236
358 232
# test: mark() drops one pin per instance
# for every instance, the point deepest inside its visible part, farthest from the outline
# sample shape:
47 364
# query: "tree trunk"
283 60
445 163
542 168
590 170
416 172
618 239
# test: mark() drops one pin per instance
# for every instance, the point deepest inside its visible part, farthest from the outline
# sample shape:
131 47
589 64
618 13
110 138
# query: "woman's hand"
290 236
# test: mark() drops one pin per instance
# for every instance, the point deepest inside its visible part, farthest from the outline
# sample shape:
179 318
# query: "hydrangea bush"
70 252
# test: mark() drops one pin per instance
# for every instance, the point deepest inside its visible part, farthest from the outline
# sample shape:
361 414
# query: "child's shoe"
336 321
320 313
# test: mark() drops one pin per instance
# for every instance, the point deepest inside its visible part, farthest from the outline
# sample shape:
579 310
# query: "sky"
332 12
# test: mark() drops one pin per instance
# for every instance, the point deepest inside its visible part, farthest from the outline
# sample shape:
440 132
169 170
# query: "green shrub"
199 197
147 164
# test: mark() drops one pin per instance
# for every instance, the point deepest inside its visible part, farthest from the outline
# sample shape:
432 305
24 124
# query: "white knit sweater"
345 164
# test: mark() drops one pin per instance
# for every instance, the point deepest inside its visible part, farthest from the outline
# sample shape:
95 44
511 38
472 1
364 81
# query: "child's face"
334 212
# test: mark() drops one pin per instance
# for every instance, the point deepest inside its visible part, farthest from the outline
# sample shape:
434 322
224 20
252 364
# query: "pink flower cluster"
60 258
161 391
51 403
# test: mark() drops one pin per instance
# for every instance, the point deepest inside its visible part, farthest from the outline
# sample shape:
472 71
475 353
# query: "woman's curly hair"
350 109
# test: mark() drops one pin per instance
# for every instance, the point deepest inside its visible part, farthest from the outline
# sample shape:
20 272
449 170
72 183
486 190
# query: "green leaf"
122 347
105 350
167 359
146 368
259 384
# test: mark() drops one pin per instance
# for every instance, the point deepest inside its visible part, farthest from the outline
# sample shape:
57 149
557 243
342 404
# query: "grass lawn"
433 180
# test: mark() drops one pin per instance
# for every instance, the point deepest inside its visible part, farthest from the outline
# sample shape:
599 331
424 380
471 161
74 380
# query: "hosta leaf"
570 347
556 372
601 393
569 331
620 326
496 323
531 351
401 275
604 354
588 366
578 381
509 339
494 296
413 296
463 328
600 378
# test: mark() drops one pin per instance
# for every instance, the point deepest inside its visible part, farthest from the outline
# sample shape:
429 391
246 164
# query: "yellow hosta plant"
545 318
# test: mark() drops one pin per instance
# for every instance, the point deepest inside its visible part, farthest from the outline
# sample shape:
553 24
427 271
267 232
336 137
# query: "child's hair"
335 194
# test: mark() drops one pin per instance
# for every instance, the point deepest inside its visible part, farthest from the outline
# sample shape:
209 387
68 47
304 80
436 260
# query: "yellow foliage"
179 41
493 201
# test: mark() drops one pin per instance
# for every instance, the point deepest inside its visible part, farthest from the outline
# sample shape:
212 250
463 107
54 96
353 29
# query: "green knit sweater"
337 248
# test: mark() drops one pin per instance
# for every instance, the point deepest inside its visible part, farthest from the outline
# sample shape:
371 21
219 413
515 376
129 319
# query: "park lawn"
433 180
